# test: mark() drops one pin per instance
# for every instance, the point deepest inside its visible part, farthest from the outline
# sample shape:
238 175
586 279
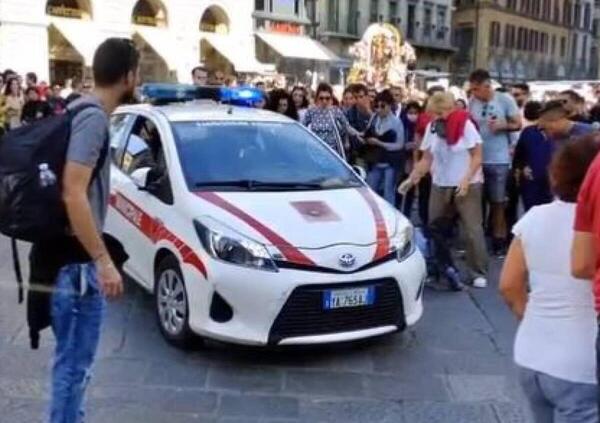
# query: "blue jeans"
386 174
77 311
554 400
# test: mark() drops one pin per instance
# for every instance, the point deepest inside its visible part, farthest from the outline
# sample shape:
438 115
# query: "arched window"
214 19
149 13
74 9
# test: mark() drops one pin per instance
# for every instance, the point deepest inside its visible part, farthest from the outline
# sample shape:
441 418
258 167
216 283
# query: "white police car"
247 228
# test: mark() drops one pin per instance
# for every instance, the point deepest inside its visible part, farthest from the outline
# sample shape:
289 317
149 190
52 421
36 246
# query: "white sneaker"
480 282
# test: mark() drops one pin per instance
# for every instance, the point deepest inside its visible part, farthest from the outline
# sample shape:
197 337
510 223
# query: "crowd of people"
503 175
497 172
25 100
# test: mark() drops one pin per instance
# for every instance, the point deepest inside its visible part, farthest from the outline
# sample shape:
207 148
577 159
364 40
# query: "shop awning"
161 41
80 34
242 59
298 47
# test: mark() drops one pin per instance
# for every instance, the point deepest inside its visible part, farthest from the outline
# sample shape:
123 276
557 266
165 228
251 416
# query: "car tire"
171 304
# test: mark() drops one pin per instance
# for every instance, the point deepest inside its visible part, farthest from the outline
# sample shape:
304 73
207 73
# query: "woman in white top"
452 153
554 346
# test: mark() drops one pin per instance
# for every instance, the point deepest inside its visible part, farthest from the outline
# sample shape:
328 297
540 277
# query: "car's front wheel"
171 303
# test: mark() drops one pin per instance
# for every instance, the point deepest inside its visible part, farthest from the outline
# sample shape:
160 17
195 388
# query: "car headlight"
403 243
227 245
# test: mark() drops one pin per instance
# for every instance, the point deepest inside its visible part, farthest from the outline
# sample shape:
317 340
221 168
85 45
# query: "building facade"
57 38
519 40
424 23
285 36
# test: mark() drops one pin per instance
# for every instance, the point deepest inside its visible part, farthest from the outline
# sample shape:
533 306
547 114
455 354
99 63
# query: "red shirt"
587 216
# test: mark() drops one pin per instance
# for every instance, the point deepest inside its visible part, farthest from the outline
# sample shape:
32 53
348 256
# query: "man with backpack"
78 302
64 221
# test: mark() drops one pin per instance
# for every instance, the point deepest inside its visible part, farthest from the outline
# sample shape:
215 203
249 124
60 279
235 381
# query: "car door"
142 211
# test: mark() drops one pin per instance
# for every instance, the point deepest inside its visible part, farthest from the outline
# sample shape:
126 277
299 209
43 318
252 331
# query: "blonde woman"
452 153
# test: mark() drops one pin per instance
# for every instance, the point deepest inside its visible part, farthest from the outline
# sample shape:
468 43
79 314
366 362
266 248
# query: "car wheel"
171 303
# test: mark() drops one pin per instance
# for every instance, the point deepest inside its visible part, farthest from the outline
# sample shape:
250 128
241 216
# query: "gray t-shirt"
89 133
496 146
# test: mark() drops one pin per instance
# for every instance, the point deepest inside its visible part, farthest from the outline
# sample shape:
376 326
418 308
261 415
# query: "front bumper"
257 299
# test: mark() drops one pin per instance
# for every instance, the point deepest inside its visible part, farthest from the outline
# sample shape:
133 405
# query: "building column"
35 58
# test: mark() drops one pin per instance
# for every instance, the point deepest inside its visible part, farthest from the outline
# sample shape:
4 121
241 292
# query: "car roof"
207 111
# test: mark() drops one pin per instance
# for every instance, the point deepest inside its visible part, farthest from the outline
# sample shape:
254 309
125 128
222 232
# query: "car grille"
303 313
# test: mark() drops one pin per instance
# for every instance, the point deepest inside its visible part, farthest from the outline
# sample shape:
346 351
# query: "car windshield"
266 156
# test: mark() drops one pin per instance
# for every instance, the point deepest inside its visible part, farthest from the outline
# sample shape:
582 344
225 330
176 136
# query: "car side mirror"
140 178
360 171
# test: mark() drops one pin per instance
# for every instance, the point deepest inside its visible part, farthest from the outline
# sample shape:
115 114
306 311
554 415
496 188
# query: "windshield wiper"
251 184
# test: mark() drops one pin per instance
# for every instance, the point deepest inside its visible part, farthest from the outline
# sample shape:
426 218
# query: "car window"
269 155
118 136
144 147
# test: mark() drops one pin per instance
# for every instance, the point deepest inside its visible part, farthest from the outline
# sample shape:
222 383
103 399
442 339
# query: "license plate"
345 298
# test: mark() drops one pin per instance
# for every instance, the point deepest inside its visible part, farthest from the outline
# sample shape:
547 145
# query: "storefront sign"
65 12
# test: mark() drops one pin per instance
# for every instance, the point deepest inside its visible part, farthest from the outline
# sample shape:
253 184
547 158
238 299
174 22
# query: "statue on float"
382 58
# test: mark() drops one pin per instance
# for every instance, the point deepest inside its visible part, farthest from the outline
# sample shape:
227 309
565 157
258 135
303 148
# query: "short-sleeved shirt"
89 133
587 217
558 330
329 124
577 130
451 163
496 146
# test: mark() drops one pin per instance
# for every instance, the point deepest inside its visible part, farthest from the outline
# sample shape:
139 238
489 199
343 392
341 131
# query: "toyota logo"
347 260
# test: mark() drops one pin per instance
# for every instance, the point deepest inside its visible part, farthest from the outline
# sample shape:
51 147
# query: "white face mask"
412 117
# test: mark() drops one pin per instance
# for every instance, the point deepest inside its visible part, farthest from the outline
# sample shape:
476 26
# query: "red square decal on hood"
315 211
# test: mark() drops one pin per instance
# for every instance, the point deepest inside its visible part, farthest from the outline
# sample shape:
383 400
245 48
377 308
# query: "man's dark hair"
324 87
570 165
522 86
532 110
199 68
113 60
554 106
573 95
359 88
412 105
30 89
479 76
31 76
386 97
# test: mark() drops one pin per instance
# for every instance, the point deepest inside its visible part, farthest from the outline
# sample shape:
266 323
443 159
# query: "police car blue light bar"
161 93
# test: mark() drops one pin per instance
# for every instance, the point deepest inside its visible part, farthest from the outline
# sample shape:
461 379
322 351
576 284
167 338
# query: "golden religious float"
382 58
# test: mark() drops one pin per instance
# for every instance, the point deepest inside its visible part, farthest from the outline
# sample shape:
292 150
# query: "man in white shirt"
452 152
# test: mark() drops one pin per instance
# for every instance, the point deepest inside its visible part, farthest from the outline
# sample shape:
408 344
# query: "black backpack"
30 211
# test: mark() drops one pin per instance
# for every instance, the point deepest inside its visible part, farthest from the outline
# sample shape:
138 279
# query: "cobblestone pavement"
454 366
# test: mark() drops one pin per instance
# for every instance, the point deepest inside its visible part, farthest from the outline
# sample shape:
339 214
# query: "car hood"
304 219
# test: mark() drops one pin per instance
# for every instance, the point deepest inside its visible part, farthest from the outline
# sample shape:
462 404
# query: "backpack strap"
17 267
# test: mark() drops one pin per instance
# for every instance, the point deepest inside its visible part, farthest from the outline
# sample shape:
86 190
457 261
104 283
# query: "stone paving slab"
454 366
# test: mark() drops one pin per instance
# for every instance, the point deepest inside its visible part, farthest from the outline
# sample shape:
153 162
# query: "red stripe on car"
290 252
155 230
383 241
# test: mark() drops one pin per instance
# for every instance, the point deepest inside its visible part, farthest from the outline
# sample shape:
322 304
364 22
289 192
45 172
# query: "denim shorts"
496 180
